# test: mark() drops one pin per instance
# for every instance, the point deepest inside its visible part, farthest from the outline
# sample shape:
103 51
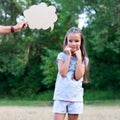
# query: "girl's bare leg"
58 116
73 116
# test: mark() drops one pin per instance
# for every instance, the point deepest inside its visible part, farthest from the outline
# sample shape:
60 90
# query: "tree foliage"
103 35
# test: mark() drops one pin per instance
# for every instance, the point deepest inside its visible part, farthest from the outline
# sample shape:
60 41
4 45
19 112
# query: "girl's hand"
67 50
78 53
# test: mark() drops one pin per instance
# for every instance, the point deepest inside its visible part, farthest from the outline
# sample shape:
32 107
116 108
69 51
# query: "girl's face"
74 41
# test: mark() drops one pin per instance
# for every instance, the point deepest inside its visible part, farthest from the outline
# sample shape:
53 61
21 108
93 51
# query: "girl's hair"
82 48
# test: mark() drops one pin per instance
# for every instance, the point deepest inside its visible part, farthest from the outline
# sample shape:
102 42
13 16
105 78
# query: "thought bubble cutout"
41 16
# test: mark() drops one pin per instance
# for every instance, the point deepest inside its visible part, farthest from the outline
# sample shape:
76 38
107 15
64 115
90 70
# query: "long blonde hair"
82 48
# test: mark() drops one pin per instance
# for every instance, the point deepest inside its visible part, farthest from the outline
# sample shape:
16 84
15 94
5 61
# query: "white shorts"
67 107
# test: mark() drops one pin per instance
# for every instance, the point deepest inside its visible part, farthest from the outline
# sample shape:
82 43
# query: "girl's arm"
63 66
80 70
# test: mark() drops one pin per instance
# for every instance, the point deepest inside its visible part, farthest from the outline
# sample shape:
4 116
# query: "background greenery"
27 59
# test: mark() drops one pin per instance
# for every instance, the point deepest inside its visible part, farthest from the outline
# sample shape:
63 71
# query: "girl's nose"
73 43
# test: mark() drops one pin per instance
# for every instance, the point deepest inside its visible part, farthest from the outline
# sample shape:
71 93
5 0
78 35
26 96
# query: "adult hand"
19 26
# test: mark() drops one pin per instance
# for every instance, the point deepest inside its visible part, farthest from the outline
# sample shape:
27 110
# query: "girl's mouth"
73 48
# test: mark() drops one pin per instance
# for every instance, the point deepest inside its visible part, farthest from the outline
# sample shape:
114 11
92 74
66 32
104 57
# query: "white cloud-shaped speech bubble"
40 16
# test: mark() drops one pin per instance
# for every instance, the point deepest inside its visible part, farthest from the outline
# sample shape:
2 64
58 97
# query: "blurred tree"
49 68
13 51
103 35
28 58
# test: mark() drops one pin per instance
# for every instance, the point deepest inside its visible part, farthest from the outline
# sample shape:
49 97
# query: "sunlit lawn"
37 110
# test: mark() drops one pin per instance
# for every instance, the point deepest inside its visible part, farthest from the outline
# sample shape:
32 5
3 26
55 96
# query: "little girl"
72 69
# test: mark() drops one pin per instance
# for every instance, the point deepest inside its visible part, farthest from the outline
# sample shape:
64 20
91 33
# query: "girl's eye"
76 40
70 40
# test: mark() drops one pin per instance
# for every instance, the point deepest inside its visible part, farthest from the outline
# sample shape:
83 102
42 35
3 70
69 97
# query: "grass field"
91 112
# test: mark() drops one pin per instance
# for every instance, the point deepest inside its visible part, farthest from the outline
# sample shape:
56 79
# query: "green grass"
43 99
46 98
6 102
24 103
103 102
92 95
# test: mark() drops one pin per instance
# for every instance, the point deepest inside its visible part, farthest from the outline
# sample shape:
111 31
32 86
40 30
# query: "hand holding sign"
40 16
